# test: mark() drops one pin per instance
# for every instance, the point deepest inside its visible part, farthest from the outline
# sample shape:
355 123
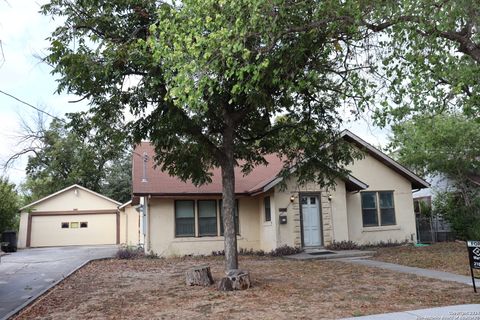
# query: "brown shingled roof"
160 183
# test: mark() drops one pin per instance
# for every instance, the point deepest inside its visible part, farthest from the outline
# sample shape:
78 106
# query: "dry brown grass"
284 289
444 256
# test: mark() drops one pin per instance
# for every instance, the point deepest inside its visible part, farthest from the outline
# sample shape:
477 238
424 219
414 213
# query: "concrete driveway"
26 274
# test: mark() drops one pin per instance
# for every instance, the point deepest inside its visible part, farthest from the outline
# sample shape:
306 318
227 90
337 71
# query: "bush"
284 251
278 252
218 253
343 245
152 255
129 253
385 244
464 219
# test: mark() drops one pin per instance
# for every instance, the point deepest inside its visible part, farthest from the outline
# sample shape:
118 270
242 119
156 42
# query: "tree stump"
199 276
235 280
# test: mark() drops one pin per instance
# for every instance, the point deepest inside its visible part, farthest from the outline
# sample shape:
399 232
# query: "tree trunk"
199 276
235 280
228 199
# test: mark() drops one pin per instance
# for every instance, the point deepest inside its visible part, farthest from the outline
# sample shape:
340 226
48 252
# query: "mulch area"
282 289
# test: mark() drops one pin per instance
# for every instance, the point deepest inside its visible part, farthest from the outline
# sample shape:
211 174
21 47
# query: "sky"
23 31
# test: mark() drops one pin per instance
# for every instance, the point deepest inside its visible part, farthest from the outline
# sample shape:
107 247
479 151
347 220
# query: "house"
373 204
431 226
77 216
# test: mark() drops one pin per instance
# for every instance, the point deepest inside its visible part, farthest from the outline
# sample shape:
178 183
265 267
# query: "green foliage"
443 144
9 206
204 66
463 216
425 208
73 154
446 146
431 61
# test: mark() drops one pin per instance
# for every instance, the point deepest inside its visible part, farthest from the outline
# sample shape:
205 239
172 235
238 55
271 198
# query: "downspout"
147 222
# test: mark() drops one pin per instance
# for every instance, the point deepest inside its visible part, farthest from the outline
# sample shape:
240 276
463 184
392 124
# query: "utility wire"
31 106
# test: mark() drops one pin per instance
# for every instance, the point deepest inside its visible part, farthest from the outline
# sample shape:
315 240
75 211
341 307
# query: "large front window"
199 218
378 209
185 218
207 218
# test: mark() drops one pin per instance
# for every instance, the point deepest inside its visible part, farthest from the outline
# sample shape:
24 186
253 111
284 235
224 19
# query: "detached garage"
72 216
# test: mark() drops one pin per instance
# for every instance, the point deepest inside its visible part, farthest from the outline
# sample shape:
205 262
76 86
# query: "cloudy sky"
22 34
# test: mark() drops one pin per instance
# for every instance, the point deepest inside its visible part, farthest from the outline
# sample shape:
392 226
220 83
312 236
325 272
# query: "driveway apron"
26 274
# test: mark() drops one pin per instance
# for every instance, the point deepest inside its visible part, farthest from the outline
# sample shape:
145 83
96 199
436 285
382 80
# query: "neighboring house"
76 216
431 227
373 204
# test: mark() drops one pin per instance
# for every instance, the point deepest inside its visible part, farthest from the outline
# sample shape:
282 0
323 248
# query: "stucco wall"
381 178
162 229
129 226
268 229
71 200
22 230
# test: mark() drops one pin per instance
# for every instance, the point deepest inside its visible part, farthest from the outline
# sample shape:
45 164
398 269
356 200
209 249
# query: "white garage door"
67 230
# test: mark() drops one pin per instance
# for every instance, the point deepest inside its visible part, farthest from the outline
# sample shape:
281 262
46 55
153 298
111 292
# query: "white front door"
312 230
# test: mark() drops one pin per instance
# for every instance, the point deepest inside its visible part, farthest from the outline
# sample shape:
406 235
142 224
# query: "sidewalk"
439 275
463 312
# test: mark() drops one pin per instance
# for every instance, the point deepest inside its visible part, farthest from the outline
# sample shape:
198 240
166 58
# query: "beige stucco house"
373 204
77 216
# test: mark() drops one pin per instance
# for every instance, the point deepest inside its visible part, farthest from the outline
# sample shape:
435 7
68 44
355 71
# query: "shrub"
251 252
464 219
152 255
284 251
385 244
129 253
343 245
218 253
279 252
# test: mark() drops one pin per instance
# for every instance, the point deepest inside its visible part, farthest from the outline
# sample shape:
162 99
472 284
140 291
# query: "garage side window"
65 225
185 218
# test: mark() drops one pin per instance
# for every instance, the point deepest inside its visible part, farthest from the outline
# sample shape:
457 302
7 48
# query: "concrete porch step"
323 254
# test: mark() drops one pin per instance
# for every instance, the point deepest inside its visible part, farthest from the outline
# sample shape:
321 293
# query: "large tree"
446 146
431 57
9 205
64 153
204 79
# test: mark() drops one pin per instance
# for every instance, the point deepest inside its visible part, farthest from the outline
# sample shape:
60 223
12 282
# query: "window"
378 209
207 218
387 209
74 225
268 212
83 224
237 228
184 218
65 225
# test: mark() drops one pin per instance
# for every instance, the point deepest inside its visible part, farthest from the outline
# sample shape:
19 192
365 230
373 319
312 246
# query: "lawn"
442 256
282 289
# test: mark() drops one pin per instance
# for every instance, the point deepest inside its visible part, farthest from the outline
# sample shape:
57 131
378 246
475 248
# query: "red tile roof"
160 183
